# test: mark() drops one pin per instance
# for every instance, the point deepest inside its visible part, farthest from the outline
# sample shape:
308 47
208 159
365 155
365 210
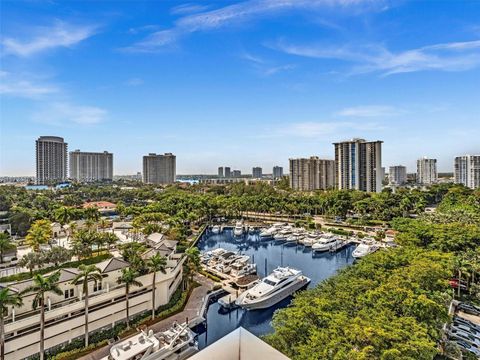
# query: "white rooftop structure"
239 344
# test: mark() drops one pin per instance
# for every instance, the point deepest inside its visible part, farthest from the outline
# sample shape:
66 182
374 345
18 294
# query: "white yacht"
283 234
284 281
271 231
363 249
310 239
295 237
327 243
177 343
238 229
216 229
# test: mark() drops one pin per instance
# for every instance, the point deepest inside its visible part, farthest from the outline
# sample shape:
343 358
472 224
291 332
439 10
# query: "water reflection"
267 254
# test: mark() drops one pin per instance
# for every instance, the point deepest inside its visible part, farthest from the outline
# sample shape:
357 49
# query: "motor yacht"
295 237
281 283
283 234
271 231
363 249
238 229
327 243
176 343
251 230
239 269
216 229
310 239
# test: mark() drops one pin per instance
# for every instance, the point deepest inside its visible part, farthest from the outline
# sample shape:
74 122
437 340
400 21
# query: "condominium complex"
51 158
227 172
64 314
159 169
427 171
220 171
257 172
277 172
312 174
467 171
358 165
91 166
236 173
397 175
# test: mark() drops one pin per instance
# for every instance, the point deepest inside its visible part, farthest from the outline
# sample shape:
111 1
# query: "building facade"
467 171
220 171
277 172
427 171
159 169
312 174
51 159
64 314
236 173
257 172
358 165
91 166
228 172
397 175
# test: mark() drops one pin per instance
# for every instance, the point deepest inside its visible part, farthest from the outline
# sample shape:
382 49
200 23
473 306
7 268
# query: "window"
68 293
97 286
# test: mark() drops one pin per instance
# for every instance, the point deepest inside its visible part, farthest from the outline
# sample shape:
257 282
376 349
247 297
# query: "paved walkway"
191 311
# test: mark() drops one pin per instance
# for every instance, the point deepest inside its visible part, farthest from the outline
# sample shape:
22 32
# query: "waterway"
267 254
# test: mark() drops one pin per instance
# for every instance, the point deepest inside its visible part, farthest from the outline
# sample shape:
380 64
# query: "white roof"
239 344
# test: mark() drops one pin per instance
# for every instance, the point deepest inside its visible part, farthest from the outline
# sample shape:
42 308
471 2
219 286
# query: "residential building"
397 175
159 169
257 172
64 315
467 171
427 171
236 173
51 158
312 174
358 165
91 166
277 172
220 171
227 172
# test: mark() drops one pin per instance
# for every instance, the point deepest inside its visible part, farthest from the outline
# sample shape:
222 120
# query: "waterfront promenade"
191 312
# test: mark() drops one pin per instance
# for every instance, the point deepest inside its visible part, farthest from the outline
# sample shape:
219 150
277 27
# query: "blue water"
267 254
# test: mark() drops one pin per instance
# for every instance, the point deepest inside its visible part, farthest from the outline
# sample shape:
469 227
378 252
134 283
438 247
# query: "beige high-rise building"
397 175
51 159
312 174
159 169
427 171
467 171
358 165
91 166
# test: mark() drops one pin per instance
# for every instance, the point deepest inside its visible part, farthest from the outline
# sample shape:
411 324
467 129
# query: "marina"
268 254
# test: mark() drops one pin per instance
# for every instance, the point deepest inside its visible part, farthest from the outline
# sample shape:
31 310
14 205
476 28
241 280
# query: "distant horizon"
239 83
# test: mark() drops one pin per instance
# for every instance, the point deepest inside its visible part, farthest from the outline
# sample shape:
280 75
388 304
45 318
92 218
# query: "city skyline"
245 83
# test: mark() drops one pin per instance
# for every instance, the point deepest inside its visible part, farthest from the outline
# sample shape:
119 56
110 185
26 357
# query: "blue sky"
239 83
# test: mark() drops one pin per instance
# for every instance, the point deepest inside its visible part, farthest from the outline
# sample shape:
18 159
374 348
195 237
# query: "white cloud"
64 113
264 67
370 111
236 13
61 34
11 85
185 9
135 81
454 56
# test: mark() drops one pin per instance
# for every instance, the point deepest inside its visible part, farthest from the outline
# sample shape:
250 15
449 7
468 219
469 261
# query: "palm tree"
192 263
39 233
155 264
41 286
461 266
63 215
7 297
129 278
87 273
5 245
